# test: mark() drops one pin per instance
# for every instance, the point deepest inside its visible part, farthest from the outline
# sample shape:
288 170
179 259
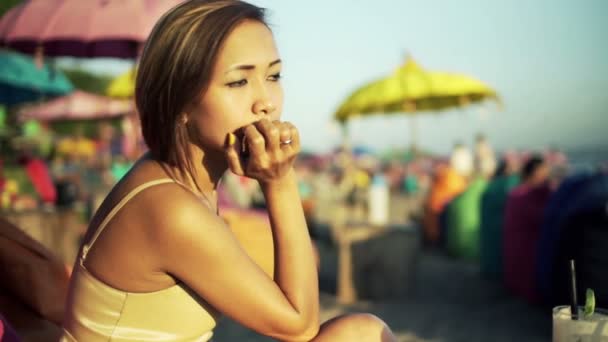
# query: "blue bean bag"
583 236
559 209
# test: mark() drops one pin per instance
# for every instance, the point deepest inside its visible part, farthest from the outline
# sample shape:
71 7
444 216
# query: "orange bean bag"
447 185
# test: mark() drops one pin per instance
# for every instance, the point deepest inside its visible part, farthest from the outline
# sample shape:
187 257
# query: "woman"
158 263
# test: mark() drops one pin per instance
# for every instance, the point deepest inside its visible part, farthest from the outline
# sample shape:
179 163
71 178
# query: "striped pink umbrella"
82 28
78 105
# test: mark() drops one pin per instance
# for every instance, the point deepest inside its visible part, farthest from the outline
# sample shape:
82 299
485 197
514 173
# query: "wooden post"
410 107
413 134
345 135
345 288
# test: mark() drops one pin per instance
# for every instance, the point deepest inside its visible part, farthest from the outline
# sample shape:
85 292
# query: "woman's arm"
295 269
198 248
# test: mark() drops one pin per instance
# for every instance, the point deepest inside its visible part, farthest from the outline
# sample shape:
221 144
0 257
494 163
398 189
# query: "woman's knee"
355 327
372 326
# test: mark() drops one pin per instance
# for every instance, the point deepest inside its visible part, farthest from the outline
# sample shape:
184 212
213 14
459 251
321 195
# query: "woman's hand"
270 149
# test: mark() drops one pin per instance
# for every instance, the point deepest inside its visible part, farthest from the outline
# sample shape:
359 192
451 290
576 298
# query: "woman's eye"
276 77
237 83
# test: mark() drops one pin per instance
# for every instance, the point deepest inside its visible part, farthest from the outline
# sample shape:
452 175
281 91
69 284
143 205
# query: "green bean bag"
463 218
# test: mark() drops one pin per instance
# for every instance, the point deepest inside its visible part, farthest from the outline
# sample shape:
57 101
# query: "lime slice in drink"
589 303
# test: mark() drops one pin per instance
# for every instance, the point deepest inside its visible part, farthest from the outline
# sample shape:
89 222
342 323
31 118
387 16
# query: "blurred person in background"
322 186
395 174
410 185
535 172
66 173
485 160
461 160
158 263
105 136
557 162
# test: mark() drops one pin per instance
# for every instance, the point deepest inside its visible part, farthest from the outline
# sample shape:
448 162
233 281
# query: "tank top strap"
121 203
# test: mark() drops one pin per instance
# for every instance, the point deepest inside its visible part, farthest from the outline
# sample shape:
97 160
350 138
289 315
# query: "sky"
548 60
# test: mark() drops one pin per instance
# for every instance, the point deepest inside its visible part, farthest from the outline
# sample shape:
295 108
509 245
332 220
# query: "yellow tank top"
98 312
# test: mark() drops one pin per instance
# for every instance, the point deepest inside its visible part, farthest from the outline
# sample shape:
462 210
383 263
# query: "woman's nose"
263 107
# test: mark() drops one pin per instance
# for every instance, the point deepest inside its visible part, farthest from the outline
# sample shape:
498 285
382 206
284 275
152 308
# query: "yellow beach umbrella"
122 86
411 89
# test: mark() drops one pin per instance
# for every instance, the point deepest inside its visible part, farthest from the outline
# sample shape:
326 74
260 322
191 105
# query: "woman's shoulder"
167 206
155 194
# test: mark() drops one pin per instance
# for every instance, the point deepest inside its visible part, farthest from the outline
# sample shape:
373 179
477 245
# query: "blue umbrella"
21 80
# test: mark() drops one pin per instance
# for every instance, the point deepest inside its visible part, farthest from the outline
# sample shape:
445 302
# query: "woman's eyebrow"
249 66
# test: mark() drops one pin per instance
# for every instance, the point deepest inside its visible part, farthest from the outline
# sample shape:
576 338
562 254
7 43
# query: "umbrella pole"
413 134
410 107
344 129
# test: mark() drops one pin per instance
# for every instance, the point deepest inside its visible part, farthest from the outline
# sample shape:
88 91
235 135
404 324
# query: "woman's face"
244 87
